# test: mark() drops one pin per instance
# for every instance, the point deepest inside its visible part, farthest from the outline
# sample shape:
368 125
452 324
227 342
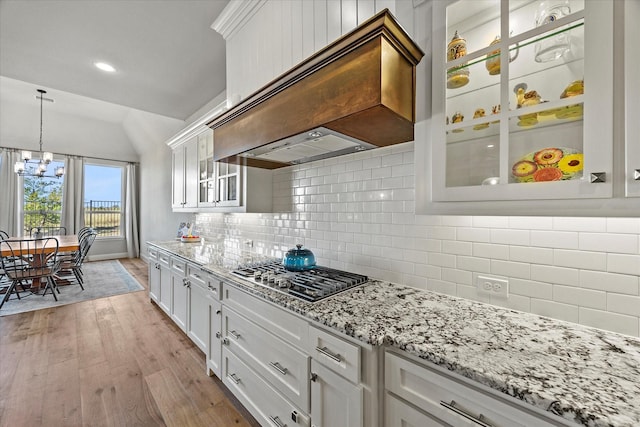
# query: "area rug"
101 279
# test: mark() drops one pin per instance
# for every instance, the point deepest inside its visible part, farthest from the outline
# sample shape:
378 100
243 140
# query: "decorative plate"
549 164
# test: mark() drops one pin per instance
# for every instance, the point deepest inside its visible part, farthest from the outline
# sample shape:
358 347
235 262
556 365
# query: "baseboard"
103 257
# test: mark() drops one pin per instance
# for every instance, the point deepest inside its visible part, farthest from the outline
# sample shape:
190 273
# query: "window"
103 199
42 200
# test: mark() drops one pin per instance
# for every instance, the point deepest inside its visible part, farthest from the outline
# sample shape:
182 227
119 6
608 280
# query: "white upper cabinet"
536 126
632 97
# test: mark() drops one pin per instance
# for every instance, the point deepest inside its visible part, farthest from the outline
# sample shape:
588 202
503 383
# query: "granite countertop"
585 375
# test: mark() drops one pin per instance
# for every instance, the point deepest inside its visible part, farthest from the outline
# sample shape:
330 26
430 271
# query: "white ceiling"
168 59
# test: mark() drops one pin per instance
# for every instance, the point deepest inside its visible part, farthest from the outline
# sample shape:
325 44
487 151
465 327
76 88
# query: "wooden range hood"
363 85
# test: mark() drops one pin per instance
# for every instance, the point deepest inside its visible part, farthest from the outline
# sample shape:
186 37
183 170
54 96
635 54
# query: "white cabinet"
184 168
179 293
632 98
444 399
214 356
165 301
219 184
334 400
535 126
154 274
201 185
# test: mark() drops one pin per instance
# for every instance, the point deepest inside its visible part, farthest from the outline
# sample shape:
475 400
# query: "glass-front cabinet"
522 100
218 182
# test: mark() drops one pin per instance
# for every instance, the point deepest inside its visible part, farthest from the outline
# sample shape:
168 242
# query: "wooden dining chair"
34 261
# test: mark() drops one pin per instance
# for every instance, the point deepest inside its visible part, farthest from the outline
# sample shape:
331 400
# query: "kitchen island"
586 375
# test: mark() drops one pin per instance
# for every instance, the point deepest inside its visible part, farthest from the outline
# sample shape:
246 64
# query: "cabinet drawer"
398 413
276 320
164 259
205 280
153 253
336 354
264 402
178 265
286 368
434 393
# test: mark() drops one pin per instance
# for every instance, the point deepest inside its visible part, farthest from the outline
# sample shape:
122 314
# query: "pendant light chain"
42 92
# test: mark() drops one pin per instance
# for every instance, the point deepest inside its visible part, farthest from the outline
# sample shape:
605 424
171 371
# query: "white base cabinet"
334 400
445 399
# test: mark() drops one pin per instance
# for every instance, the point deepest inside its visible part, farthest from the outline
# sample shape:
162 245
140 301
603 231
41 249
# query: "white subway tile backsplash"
488 250
608 242
490 221
610 282
611 321
530 288
623 225
580 259
356 212
531 255
520 270
626 264
557 310
555 275
473 234
586 297
510 236
531 222
580 224
555 239
456 248
479 265
623 304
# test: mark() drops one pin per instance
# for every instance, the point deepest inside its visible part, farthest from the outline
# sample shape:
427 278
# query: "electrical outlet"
498 287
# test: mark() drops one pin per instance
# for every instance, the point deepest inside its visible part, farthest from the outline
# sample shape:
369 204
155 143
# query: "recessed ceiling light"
105 67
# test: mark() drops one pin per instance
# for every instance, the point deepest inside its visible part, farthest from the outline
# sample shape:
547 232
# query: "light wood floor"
117 361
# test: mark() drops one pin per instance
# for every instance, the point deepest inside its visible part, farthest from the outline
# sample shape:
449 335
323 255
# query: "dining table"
37 254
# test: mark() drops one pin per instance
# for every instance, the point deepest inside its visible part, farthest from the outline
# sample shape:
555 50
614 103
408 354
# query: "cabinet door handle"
313 377
452 407
597 177
636 174
329 354
234 378
278 367
218 335
225 341
234 334
197 276
277 421
218 312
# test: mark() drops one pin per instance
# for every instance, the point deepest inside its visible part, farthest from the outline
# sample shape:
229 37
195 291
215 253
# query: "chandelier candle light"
40 171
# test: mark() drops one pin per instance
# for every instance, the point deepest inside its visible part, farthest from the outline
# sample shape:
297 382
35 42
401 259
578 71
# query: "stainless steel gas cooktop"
310 285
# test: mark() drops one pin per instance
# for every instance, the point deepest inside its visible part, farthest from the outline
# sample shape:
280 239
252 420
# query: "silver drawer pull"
278 367
636 175
452 407
276 421
234 334
329 354
234 378
218 335
197 276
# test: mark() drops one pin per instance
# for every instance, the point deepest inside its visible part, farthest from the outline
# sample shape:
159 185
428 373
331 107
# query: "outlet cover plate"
492 285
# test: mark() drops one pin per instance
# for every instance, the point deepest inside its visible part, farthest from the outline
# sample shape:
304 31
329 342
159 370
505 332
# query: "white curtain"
131 211
8 192
73 195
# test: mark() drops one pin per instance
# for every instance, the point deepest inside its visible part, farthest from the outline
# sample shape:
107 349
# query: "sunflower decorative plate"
548 164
